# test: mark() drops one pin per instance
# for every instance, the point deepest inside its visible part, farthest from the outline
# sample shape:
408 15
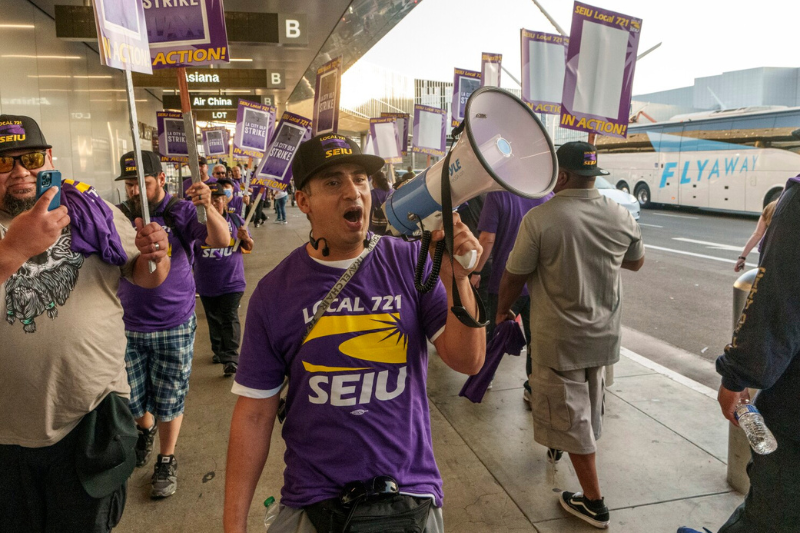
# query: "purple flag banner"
171 137
255 124
386 138
600 65
275 169
465 82
490 69
430 130
122 34
326 97
189 33
543 66
215 141
402 128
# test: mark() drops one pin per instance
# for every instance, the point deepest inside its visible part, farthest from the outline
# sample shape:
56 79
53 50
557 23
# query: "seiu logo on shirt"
379 339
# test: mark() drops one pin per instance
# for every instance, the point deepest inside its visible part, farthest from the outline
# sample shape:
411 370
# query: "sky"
700 37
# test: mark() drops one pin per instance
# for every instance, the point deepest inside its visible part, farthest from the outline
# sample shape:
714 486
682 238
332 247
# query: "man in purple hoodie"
160 324
62 356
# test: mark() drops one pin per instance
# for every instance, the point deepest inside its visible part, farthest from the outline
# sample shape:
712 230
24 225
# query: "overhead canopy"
296 36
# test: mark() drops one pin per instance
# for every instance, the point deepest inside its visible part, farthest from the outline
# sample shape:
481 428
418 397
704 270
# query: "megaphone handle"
468 260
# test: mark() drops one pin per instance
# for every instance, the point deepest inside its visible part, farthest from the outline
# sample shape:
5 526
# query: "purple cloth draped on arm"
508 339
92 224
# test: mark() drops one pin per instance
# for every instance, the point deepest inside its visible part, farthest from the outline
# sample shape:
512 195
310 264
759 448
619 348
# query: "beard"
136 202
16 206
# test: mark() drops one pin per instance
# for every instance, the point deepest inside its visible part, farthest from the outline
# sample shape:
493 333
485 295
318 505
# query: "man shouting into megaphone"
341 318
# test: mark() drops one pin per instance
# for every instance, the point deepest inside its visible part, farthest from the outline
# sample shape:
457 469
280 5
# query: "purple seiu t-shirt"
502 214
171 303
357 403
219 271
235 205
188 183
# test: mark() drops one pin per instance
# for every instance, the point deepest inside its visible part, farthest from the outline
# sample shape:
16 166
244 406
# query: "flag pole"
191 137
137 153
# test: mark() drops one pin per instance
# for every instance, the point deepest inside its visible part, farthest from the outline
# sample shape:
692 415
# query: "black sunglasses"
29 161
376 488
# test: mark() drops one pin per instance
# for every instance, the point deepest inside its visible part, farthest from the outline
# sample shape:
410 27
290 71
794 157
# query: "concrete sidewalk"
661 458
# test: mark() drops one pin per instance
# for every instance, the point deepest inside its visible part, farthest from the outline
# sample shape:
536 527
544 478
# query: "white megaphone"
505 147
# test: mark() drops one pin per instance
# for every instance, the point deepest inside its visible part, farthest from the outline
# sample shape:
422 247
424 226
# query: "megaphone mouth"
504 148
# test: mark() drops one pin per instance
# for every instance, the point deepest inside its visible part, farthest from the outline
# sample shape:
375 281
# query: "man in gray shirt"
570 251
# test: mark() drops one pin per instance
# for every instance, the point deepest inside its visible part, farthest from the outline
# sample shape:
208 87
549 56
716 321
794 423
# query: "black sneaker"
554 456
215 359
594 512
165 478
230 369
144 445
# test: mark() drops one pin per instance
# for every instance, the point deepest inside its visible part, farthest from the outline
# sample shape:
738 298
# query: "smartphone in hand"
46 179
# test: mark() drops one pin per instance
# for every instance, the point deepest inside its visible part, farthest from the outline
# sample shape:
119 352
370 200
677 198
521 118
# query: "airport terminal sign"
202 101
186 33
122 35
599 76
206 79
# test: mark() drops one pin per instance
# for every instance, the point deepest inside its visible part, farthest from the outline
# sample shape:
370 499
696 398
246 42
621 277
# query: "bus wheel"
643 195
623 186
772 195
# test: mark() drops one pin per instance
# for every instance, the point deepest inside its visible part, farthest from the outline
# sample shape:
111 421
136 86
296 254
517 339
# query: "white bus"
732 160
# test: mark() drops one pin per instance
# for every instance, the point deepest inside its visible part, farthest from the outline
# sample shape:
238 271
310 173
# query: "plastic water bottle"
750 420
272 511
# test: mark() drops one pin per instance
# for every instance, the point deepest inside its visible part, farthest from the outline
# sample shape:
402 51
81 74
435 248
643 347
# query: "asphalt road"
683 293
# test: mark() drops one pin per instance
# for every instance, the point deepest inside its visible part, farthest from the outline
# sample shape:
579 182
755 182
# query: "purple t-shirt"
171 303
502 214
379 196
357 403
235 205
188 183
219 271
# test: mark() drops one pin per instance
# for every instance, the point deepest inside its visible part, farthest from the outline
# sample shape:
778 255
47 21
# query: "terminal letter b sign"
276 79
293 29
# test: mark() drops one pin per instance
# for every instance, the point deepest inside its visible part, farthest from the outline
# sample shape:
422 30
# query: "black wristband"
743 258
474 273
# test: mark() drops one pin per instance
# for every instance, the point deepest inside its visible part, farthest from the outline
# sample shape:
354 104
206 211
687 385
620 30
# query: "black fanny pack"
393 514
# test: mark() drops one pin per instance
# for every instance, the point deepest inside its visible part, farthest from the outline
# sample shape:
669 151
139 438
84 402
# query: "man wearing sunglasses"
160 325
357 409
204 177
63 339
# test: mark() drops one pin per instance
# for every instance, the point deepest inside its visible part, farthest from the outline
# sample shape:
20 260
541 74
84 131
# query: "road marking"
712 245
671 374
674 216
690 253
650 225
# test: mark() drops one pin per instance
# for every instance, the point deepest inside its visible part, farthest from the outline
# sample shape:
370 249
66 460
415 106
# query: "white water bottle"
762 441
272 511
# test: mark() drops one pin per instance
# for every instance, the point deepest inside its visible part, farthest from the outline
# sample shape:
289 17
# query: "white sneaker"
526 395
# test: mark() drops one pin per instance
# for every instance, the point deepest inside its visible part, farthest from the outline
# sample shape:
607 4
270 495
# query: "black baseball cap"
151 162
579 158
218 187
202 160
326 150
19 132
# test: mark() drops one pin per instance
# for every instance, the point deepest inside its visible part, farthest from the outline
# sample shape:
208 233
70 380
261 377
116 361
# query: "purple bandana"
92 223
508 339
